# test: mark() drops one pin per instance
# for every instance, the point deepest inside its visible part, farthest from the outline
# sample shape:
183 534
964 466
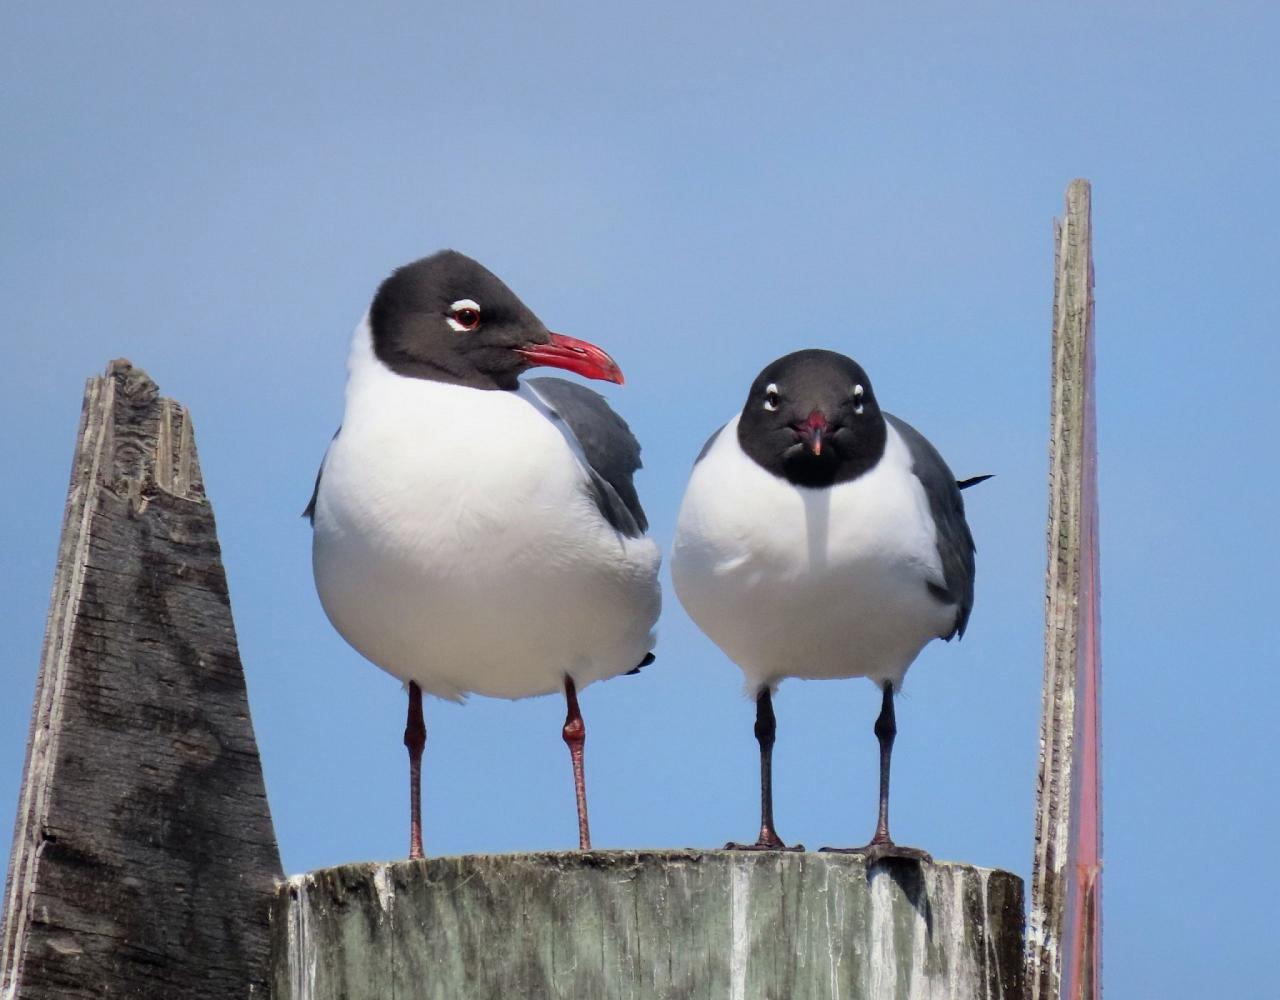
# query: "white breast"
815 583
456 547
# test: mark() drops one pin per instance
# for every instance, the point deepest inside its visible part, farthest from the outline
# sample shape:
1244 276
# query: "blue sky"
215 191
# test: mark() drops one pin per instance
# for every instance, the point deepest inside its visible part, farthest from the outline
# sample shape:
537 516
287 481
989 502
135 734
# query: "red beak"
573 355
811 431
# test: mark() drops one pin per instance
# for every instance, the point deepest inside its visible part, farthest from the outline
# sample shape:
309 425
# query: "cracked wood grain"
1071 585
144 860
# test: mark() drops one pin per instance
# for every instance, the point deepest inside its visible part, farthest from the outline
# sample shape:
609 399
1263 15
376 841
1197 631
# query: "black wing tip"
964 484
648 658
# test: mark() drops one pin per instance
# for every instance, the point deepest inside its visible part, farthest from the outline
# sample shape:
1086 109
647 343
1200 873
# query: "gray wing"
611 450
955 543
310 512
710 441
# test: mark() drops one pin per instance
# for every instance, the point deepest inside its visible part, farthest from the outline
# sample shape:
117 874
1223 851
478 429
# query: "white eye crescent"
857 395
464 315
771 397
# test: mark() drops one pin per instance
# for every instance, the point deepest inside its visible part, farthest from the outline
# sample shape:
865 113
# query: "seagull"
821 537
475 533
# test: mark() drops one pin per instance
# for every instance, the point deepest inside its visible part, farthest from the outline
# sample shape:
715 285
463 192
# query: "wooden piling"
649 925
144 861
1064 933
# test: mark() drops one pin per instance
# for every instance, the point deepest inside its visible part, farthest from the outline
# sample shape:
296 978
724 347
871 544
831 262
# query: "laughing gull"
822 537
475 533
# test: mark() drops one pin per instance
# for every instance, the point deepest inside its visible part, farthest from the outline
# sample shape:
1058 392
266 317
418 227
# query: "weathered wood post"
144 860
1064 940
649 925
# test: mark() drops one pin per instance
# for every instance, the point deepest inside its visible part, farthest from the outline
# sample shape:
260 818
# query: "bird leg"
881 845
415 738
575 735
766 729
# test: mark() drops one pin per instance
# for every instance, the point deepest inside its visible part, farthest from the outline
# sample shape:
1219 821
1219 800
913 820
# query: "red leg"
575 735
415 738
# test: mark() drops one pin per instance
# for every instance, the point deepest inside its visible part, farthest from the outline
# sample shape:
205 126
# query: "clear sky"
214 191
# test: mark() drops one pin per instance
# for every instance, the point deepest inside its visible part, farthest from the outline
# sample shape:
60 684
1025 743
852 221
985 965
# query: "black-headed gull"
821 537
475 533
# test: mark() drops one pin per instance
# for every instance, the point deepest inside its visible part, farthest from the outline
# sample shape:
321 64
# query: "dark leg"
766 729
415 738
575 735
882 845
886 730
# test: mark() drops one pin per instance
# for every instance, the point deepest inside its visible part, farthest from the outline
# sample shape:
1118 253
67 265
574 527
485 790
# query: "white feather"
814 583
455 544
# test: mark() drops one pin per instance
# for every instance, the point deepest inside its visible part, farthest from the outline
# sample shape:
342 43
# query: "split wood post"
1064 938
649 925
144 861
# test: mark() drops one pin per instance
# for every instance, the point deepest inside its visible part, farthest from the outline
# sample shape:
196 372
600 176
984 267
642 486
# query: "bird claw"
874 853
763 844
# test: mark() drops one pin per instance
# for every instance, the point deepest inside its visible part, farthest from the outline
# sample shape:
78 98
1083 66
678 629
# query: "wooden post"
649 925
1065 923
144 860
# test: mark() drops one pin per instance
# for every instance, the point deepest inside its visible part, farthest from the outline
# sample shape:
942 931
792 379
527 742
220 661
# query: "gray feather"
310 512
955 543
710 441
610 448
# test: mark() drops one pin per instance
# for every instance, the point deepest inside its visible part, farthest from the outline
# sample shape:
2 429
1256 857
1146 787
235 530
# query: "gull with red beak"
475 533
821 537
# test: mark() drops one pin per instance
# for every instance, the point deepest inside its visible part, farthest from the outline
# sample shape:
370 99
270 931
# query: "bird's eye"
771 397
857 399
464 315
